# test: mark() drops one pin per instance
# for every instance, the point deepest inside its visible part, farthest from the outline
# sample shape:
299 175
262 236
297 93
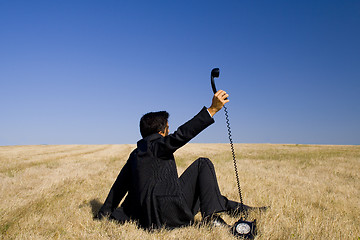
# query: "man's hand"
218 101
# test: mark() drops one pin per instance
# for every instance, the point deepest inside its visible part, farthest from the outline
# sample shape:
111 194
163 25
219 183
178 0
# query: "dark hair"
153 122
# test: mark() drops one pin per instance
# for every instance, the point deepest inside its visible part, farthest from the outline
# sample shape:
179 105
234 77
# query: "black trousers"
201 190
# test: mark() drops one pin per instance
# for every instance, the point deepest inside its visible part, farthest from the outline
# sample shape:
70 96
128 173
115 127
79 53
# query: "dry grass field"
52 192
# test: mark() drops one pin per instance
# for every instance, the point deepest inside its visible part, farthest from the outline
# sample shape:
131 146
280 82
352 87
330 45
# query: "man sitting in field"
156 196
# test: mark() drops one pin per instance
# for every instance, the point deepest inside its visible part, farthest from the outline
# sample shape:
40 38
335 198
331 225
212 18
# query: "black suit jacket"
150 179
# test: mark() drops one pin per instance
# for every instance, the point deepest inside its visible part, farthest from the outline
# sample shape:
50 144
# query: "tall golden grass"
52 192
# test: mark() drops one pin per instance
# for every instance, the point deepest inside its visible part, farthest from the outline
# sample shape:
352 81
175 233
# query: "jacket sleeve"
169 144
117 192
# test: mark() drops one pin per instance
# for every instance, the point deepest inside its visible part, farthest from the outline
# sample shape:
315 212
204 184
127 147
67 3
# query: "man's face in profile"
166 130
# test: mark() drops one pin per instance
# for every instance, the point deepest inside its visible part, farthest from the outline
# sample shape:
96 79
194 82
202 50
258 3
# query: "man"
156 196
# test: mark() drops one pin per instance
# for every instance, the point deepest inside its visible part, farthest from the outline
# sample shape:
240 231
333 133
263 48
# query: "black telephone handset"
214 74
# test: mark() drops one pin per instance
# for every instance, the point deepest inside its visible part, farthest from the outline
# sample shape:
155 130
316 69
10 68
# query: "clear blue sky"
84 72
